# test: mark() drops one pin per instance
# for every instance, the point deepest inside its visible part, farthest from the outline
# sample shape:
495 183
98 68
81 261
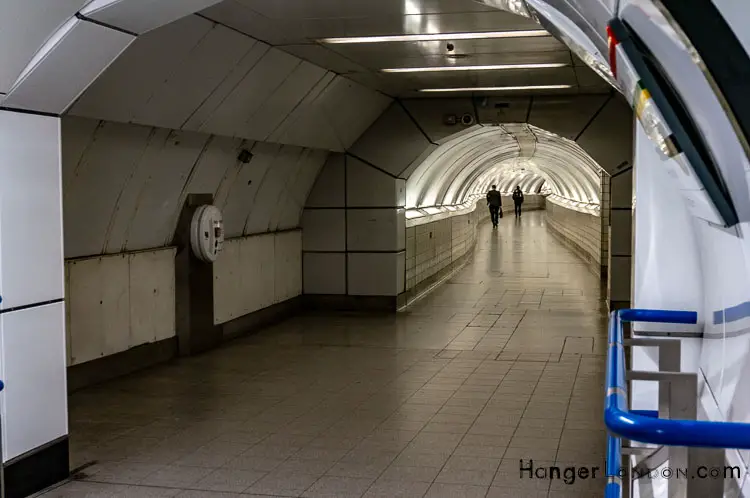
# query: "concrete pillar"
620 238
194 288
354 237
33 354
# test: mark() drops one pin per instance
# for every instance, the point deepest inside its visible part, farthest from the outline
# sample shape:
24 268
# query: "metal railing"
692 443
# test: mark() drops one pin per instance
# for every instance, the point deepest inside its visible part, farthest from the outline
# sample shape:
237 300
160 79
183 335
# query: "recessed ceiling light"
497 88
493 67
439 36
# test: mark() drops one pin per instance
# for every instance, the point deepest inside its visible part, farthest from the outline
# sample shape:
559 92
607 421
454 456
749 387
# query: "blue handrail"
645 426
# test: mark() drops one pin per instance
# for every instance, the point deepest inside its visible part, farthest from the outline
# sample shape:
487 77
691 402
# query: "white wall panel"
140 16
258 85
203 113
128 84
351 108
376 274
288 265
375 229
102 183
125 185
118 302
152 224
368 187
99 307
329 189
324 273
33 21
244 187
274 182
152 296
324 229
405 142
31 268
34 401
304 125
205 68
59 73
256 272
283 101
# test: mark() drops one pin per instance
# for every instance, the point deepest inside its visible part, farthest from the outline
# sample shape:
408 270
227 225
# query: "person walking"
495 203
517 200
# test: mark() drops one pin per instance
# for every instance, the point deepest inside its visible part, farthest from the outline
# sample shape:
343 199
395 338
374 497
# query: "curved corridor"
503 362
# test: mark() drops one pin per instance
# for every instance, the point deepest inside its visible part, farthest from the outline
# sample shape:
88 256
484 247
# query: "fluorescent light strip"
439 36
496 88
496 67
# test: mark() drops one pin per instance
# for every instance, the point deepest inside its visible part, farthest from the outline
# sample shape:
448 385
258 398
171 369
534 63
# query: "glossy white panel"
376 229
431 117
405 141
140 16
329 189
369 187
324 230
324 273
33 22
664 278
59 74
34 401
375 274
31 260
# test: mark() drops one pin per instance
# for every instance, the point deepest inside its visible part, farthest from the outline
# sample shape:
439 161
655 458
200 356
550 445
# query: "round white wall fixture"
207 233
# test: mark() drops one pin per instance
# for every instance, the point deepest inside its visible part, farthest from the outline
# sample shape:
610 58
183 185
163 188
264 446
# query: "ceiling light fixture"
497 88
439 36
493 67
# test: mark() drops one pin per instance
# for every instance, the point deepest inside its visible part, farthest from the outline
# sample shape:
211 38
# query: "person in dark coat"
495 203
517 200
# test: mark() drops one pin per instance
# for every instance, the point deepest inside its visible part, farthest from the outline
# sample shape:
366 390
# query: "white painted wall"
257 272
118 302
32 341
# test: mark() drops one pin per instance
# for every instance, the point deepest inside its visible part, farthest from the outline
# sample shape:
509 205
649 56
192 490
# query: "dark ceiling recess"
245 156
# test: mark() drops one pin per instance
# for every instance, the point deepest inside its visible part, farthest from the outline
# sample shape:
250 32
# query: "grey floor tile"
441 490
338 487
397 489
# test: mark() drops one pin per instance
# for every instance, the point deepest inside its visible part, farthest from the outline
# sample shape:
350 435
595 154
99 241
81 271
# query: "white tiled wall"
582 229
117 302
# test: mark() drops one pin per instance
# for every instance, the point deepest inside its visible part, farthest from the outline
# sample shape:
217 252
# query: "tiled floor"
504 362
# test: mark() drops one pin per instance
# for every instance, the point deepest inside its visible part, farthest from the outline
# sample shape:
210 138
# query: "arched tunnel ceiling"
196 75
484 155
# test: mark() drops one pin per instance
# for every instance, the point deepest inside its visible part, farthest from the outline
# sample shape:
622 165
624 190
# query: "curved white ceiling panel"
140 16
505 155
